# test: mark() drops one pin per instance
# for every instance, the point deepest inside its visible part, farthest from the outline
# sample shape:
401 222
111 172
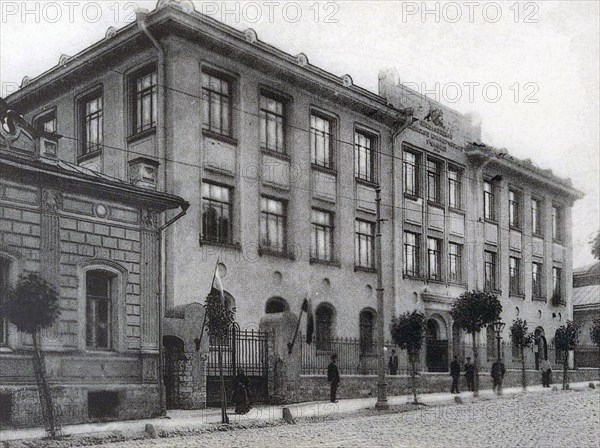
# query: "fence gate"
242 349
174 366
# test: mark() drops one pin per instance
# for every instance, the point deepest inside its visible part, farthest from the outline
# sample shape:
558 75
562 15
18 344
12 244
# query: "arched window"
367 327
5 266
99 294
324 326
432 331
276 305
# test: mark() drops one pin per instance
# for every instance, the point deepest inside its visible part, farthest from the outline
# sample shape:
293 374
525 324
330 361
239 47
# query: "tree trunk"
224 417
43 389
523 376
476 365
413 374
565 371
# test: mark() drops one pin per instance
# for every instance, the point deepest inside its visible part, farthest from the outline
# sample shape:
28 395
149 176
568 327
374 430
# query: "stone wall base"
20 405
315 388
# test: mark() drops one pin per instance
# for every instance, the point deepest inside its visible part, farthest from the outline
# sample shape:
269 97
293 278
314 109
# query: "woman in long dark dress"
241 394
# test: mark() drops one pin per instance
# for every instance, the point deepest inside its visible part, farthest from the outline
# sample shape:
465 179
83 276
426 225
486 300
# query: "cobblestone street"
535 420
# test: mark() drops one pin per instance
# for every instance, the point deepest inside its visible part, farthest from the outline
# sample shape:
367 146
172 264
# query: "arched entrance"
540 347
436 353
174 365
276 305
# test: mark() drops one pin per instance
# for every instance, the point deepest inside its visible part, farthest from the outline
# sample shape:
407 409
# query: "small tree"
407 332
595 243
32 306
472 311
522 338
595 335
566 339
219 318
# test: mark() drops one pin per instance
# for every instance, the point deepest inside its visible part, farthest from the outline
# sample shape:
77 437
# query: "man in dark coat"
333 376
455 374
470 375
393 363
498 372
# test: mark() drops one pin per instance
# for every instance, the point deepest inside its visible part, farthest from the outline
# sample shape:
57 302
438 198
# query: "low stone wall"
314 388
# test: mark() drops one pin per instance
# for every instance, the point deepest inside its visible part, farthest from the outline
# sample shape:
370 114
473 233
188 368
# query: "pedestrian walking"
498 372
241 394
455 374
333 376
470 375
393 363
546 373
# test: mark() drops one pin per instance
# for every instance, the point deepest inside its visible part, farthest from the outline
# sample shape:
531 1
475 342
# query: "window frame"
133 78
456 186
45 117
489 201
281 220
455 259
537 279
536 217
557 223
557 284
370 155
324 344
492 264
436 177
416 178
370 239
230 204
329 231
515 284
415 256
85 152
266 94
332 134
7 270
207 102
434 255
366 344
514 208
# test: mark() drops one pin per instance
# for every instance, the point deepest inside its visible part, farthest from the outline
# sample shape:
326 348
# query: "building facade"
586 309
280 161
95 239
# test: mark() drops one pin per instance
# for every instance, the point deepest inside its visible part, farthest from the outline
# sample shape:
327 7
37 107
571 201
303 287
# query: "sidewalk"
186 419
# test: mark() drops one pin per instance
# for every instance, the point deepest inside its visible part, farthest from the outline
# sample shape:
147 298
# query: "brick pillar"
149 258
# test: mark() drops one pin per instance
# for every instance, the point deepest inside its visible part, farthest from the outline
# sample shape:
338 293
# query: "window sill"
368 183
538 235
412 197
234 246
517 296
516 228
490 221
412 277
539 299
220 137
5 349
456 210
559 242
140 135
462 285
435 281
493 291
558 301
333 263
323 169
263 251
365 269
435 203
278 155
89 156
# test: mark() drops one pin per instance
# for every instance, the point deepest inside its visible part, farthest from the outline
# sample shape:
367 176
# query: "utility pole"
382 402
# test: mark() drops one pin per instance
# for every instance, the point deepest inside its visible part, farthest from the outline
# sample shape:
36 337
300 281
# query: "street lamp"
498 326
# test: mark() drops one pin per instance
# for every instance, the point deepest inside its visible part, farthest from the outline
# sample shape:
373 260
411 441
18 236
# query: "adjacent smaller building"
586 308
96 239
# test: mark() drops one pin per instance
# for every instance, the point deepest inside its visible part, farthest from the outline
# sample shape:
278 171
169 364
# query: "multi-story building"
280 161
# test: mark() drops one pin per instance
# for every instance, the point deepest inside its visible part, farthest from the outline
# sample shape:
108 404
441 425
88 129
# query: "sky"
528 70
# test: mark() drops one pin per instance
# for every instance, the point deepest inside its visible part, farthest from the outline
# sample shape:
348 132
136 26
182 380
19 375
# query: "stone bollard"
592 386
287 416
151 431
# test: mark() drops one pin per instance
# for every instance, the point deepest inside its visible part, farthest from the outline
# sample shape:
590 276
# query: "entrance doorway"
436 353
174 365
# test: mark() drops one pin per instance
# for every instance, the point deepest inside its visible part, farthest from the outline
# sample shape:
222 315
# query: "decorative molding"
26 80
149 219
251 36
347 81
64 58
110 32
302 60
52 201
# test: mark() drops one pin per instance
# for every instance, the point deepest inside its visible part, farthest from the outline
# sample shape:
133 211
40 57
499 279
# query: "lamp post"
382 402
498 326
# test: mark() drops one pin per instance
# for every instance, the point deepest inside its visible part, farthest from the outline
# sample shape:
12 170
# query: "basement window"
103 404
5 410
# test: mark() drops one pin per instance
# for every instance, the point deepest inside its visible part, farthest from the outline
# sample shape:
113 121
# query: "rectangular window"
4 288
514 206
536 280
364 157
557 283
272 124
144 88
489 270
411 254
434 258
47 123
364 237
433 181
321 247
556 223
514 275
489 201
454 188
455 262
273 225
321 141
536 223
216 100
98 309
216 213
92 124
410 167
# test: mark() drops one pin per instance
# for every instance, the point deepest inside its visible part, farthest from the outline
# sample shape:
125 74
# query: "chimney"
143 172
